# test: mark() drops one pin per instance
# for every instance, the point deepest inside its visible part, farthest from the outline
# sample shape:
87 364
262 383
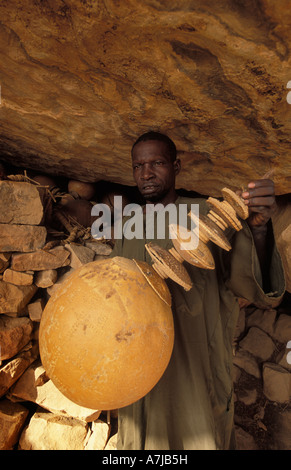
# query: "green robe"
191 407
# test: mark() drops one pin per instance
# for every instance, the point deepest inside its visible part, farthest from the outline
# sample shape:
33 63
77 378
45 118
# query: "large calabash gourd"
106 336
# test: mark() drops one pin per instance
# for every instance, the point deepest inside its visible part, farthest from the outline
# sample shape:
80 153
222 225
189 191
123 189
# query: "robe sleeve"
245 278
117 249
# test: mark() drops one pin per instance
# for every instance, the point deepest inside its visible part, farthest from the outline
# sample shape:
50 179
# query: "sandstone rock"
99 248
12 419
17 278
35 309
40 260
15 298
20 203
4 261
23 238
258 343
244 360
47 431
51 290
46 278
15 333
277 383
14 368
112 443
79 255
212 76
99 436
47 395
263 319
282 331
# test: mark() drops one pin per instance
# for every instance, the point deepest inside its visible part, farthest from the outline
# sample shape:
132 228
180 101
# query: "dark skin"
155 173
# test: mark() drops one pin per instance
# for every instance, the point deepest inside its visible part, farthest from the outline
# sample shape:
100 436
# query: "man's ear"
177 166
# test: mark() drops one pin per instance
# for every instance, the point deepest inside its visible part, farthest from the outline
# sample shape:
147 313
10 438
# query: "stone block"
51 290
36 387
20 203
13 299
17 278
15 333
21 238
12 419
80 255
98 438
263 319
47 431
244 360
282 331
258 343
46 278
112 443
99 247
35 309
40 260
4 261
14 368
276 383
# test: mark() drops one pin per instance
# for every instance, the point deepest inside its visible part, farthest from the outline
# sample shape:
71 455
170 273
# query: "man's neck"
170 198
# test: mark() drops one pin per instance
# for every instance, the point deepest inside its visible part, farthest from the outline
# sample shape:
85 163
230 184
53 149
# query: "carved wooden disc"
236 202
169 265
200 256
222 211
155 281
212 231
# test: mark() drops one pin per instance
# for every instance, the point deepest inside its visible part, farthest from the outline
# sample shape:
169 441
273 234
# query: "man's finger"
260 183
260 201
258 192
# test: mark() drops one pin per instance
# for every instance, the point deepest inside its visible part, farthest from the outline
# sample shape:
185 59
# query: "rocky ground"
262 378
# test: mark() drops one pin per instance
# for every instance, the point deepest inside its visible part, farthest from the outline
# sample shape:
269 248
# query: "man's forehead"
151 148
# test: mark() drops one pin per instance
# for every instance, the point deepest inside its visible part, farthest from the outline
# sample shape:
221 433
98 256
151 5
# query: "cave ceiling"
82 79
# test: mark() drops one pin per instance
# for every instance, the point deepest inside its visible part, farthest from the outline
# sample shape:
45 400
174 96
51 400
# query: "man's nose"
147 172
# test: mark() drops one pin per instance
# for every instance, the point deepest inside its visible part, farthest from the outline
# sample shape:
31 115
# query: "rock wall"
34 415
38 249
81 80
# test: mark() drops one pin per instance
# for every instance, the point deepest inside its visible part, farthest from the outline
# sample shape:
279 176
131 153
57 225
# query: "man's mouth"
149 188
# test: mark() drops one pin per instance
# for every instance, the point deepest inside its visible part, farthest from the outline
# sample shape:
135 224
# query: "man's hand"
260 199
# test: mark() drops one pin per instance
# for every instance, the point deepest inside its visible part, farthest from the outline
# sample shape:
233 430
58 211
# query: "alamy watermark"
150 222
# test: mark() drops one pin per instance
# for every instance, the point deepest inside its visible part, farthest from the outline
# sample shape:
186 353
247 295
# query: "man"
191 407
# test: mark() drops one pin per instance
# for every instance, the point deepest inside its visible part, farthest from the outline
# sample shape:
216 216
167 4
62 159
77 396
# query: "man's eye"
159 163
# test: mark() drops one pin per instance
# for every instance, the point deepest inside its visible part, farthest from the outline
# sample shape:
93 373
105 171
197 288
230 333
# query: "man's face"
154 171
